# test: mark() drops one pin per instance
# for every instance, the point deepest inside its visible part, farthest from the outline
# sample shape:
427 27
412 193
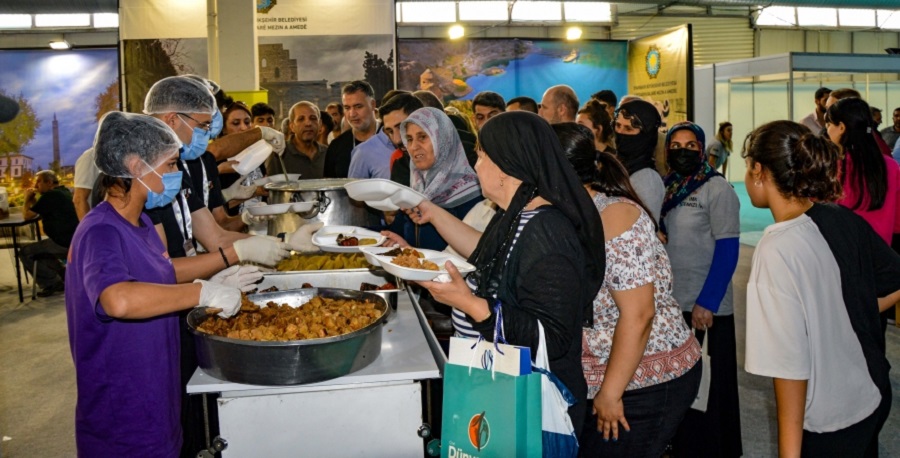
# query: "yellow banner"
660 70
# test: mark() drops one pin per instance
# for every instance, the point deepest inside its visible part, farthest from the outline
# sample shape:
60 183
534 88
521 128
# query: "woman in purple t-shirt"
121 298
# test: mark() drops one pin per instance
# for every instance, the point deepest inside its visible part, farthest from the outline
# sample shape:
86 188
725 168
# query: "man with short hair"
57 212
486 105
816 120
891 133
609 99
429 99
559 104
876 116
523 104
303 154
336 111
263 115
372 158
358 99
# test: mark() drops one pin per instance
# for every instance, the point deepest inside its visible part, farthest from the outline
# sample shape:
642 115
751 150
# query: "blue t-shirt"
127 372
372 158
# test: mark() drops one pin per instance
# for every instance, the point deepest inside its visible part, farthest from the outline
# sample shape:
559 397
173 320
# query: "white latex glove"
250 220
261 249
238 191
301 239
219 296
274 138
243 278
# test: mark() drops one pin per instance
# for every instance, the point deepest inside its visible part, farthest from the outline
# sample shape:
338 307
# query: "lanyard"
183 218
205 181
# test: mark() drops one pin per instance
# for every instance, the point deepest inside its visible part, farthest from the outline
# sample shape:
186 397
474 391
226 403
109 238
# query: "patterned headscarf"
680 187
451 180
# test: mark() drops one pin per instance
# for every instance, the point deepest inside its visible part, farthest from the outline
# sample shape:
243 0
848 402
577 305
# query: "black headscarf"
637 152
524 146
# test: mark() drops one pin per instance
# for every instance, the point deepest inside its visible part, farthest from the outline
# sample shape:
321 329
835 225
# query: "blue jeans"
653 413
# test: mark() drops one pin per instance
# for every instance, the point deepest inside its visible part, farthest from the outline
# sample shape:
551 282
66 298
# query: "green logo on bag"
479 431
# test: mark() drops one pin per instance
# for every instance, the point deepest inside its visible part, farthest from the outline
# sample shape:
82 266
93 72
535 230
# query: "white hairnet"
179 94
210 84
124 140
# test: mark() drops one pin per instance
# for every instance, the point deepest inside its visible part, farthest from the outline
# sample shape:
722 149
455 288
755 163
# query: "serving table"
375 411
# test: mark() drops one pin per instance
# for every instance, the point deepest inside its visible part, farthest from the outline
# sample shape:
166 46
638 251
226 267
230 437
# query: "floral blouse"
633 259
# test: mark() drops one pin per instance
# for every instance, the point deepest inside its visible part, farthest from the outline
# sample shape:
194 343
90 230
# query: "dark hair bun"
816 162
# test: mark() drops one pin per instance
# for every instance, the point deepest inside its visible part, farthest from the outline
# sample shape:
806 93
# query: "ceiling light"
15 21
62 20
573 33
457 31
60 44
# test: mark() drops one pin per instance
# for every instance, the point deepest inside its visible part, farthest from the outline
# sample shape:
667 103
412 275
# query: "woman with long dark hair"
819 277
595 117
870 179
639 358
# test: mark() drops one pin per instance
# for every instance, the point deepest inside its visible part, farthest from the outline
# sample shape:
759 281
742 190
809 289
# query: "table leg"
15 241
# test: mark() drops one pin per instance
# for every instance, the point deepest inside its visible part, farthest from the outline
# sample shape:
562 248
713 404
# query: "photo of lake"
460 70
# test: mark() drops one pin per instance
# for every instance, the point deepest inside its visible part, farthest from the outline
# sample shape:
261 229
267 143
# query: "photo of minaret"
55 164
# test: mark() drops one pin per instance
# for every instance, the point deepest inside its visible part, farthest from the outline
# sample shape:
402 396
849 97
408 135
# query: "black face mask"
684 161
636 152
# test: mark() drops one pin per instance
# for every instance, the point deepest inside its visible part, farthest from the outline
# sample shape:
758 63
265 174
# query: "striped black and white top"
460 324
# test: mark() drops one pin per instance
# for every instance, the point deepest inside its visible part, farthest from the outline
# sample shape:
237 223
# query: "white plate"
373 254
276 209
276 179
407 273
252 157
303 207
384 195
326 238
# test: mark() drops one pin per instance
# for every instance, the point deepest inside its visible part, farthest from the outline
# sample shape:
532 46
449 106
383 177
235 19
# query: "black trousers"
858 440
653 413
716 432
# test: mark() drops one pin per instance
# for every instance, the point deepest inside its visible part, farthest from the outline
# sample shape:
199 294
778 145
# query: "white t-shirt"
798 327
86 172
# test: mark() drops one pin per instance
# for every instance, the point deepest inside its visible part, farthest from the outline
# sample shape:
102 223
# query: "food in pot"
320 317
330 261
414 260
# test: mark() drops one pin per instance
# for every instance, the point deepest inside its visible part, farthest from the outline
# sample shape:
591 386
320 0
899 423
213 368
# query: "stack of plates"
384 195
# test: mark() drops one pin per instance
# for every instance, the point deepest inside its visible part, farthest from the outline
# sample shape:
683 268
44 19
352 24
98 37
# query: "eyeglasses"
632 118
203 125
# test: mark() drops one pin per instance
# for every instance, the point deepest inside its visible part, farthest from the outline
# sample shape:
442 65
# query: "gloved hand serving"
219 296
250 220
261 249
243 278
301 239
274 138
238 191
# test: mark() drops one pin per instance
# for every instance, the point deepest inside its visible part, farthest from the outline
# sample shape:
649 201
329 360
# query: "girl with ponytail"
871 180
819 277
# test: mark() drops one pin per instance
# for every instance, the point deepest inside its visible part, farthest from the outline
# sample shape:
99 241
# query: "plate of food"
420 265
345 239
383 194
374 253
274 209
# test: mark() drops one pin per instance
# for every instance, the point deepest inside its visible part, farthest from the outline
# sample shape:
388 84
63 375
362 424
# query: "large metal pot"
292 362
334 207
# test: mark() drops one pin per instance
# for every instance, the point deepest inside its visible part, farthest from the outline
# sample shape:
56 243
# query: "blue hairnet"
128 145
179 94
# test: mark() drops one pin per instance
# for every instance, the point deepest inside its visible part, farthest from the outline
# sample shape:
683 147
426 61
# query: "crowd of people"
572 221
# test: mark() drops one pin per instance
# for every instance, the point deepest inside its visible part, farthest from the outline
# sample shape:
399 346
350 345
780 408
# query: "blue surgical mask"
199 142
218 122
171 185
